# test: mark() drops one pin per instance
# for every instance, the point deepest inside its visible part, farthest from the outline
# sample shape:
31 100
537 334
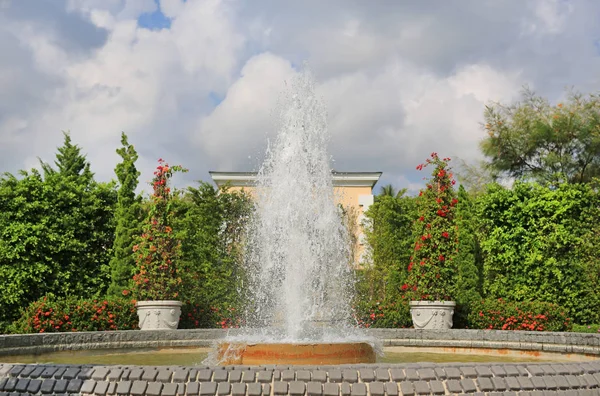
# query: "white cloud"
400 79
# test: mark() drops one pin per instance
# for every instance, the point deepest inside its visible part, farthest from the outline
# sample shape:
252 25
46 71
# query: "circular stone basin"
294 354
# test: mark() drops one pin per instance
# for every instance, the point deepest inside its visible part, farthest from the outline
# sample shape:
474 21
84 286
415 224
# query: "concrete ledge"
581 343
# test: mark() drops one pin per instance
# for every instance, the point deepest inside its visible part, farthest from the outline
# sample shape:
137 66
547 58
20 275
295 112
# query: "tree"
127 215
389 191
550 144
475 177
70 162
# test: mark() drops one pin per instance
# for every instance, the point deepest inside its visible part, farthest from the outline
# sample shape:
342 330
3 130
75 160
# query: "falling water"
298 257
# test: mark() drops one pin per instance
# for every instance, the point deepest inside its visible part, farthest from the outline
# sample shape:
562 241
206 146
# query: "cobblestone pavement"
346 380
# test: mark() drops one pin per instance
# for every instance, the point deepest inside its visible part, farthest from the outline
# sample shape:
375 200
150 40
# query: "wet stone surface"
525 379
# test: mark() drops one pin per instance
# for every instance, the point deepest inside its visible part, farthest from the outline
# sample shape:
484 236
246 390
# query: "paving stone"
37 372
468 372
590 380
397 375
164 375
525 383
550 382
136 374
100 374
407 388
171 389
193 388
319 376
4 369
249 376
181 375
468 385
296 388
60 386
266 389
535 369
411 374
222 375
138 388
280 388
47 385
254 389
452 373
499 383
15 371
330 389
263 376
59 372
2 383
85 374
102 388
382 374
49 372
238 389
485 384
391 388
235 376
376 389
588 368
224 388
276 375
21 385
498 371
511 371
483 371
454 386
149 375
538 382
422 388
359 389
74 385
114 374
437 387
512 383
303 375
205 375
345 389
112 388
9 386
561 382
123 387
88 386
366 375
548 369
288 375
560 369
427 374
350 375
210 388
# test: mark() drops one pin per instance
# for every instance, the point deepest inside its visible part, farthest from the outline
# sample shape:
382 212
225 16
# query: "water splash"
298 257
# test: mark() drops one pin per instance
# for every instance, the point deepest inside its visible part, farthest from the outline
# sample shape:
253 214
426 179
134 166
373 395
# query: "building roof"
346 179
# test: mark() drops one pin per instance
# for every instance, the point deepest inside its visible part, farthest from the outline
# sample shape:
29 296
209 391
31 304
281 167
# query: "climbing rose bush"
431 269
157 250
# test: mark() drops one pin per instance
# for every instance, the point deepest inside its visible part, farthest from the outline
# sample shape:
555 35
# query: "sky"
197 82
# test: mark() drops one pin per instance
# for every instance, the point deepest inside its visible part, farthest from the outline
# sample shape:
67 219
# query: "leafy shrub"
384 314
593 328
499 314
63 315
194 316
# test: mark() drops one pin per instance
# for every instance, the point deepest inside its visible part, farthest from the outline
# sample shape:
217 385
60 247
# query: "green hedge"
499 314
384 314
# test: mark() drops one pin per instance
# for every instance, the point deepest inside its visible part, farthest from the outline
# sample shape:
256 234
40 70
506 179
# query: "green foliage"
49 315
536 245
591 328
55 233
388 230
498 314
469 262
158 250
549 144
195 315
393 313
127 219
212 230
432 267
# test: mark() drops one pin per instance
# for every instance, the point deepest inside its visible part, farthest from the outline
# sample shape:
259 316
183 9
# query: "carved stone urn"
432 315
158 315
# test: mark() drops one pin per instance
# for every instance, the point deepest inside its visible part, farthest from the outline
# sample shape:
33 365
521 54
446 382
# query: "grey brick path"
527 379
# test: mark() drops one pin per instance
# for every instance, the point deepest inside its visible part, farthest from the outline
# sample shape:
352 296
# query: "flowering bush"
431 268
195 316
384 314
158 250
63 315
499 314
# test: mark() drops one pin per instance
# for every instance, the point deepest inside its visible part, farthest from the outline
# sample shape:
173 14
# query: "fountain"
300 280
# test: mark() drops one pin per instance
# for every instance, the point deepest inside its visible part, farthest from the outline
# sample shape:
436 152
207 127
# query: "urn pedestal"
432 315
158 315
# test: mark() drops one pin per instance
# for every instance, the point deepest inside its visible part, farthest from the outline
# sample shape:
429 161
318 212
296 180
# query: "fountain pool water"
300 280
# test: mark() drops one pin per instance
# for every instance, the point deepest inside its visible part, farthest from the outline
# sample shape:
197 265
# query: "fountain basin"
231 353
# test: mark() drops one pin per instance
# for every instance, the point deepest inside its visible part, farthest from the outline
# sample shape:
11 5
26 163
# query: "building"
353 190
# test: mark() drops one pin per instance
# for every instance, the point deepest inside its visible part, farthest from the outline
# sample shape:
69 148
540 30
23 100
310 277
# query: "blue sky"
198 82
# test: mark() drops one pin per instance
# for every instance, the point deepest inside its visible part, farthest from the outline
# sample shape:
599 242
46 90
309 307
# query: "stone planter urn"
432 315
158 315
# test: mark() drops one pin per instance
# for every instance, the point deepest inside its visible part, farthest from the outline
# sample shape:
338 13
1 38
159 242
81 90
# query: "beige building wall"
353 190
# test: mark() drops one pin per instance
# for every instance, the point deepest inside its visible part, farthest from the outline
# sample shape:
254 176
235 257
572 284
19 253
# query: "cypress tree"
127 216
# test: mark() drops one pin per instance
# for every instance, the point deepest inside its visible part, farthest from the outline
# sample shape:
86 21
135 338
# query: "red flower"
441 173
404 286
442 258
410 266
445 234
